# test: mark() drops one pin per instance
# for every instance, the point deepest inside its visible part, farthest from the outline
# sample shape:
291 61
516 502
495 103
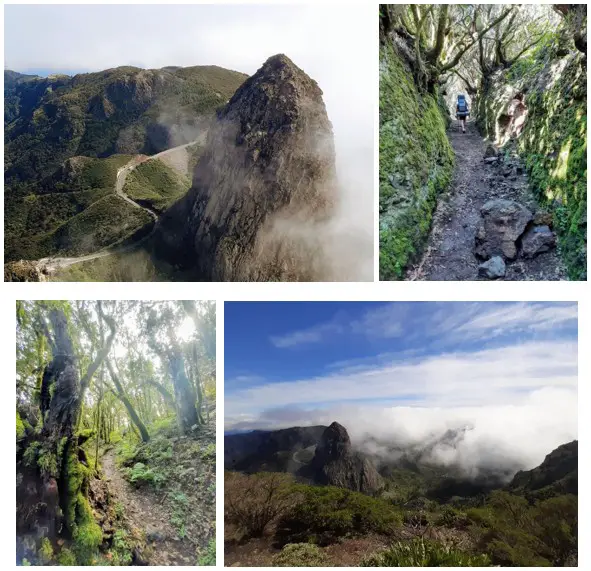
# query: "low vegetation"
307 523
156 185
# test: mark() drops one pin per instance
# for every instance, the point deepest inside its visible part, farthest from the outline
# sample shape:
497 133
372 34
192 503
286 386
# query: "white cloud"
448 323
314 334
486 377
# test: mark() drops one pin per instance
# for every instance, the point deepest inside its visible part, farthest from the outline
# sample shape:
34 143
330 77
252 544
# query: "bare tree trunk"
130 409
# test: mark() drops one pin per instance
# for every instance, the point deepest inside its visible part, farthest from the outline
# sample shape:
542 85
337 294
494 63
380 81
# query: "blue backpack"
462 105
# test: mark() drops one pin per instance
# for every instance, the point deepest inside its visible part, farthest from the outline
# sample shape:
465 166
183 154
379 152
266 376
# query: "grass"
104 223
155 184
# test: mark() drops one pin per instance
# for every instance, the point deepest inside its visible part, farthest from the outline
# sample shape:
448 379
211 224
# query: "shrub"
516 533
142 474
423 553
300 555
208 558
66 558
253 502
451 517
326 513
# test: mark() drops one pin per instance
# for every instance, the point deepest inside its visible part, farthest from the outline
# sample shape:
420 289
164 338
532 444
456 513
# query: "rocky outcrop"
269 451
24 271
336 464
265 180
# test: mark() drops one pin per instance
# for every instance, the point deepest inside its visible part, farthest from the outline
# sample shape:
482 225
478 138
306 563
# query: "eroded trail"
450 251
147 518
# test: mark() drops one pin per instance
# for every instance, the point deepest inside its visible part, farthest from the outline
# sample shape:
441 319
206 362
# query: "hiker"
462 111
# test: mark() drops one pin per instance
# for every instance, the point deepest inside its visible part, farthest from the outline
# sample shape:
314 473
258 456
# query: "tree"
440 35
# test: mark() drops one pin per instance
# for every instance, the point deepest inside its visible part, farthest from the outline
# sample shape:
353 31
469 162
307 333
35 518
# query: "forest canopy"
92 375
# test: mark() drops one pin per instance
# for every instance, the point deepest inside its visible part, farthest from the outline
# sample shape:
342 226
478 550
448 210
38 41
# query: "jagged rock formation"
336 464
557 474
266 179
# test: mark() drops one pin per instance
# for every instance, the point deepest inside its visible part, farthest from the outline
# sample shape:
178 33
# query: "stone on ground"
491 151
503 222
536 240
492 269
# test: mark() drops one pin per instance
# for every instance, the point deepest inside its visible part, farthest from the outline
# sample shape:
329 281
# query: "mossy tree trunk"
54 476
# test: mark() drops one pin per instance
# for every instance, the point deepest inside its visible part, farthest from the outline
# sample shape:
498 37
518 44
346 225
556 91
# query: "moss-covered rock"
416 163
553 140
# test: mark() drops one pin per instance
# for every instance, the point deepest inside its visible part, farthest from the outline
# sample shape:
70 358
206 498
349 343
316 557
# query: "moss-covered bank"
416 163
553 141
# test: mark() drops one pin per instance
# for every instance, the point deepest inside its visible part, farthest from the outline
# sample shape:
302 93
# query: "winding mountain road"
53 264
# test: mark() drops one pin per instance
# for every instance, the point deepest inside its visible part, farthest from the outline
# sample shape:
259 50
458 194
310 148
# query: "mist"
499 439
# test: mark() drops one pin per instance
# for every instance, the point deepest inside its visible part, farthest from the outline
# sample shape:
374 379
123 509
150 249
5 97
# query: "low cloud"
518 402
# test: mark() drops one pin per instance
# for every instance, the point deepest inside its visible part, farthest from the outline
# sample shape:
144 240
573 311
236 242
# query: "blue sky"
306 363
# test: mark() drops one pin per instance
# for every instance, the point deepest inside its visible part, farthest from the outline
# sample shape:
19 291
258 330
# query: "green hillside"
65 137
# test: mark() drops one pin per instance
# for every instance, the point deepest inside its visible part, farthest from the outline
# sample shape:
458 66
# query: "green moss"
47 462
45 552
87 536
553 142
66 557
416 164
20 427
31 452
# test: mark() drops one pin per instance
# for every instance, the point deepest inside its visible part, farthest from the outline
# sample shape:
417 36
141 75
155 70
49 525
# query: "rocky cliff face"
335 463
265 182
557 474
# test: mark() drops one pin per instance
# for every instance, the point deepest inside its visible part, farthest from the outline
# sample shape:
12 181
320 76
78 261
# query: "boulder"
492 269
536 240
503 222
491 160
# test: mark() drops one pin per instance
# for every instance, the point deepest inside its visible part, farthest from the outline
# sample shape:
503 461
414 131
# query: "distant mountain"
557 474
122 111
271 451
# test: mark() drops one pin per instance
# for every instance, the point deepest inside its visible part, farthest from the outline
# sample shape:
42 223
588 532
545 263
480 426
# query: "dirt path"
146 516
449 254
53 264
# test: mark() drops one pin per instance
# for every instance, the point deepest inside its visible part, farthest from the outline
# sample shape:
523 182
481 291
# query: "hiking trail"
146 516
449 254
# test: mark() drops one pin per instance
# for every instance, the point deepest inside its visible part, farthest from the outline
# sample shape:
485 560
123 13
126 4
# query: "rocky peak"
265 179
334 443
336 464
